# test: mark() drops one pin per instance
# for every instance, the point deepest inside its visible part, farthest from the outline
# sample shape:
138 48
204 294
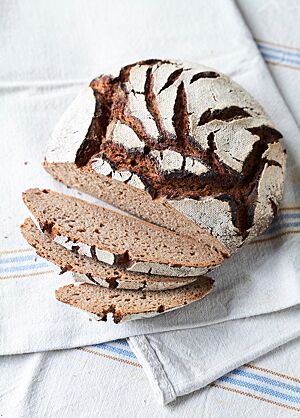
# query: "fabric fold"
180 362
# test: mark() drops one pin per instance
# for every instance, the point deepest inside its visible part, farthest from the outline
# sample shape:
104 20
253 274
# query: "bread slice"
92 271
119 239
129 199
131 304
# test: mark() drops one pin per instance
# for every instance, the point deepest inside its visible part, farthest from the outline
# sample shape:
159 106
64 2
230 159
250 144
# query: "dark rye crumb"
72 261
120 303
127 239
129 199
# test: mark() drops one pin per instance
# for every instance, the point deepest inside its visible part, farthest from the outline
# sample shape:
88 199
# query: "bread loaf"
178 138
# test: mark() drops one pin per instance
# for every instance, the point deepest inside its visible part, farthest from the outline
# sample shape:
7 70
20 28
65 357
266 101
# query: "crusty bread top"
93 269
184 133
124 304
129 239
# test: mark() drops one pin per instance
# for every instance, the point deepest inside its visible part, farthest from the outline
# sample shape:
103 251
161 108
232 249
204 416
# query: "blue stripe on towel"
288 215
282 59
123 341
116 350
18 259
279 58
260 389
267 380
13 269
281 225
278 50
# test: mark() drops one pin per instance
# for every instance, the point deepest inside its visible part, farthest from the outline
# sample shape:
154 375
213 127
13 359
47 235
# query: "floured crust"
126 304
189 135
84 107
213 213
91 271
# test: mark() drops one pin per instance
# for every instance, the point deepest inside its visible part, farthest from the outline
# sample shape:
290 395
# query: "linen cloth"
106 380
31 321
261 278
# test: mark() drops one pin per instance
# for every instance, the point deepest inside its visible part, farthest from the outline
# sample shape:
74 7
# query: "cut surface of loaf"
131 304
183 133
130 199
119 239
91 270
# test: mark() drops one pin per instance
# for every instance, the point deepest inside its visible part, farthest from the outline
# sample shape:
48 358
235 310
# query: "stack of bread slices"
190 158
129 267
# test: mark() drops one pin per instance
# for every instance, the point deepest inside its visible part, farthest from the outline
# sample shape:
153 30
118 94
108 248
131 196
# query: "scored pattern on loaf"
188 134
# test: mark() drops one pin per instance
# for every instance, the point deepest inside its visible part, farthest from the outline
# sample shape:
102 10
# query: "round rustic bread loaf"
184 134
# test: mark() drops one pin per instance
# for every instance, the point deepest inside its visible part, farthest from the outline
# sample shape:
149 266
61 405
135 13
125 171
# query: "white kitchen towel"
97 382
106 380
277 34
262 278
180 362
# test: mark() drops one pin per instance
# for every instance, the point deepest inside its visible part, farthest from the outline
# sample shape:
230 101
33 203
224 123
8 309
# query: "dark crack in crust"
151 104
227 114
221 181
181 120
171 79
97 130
204 74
